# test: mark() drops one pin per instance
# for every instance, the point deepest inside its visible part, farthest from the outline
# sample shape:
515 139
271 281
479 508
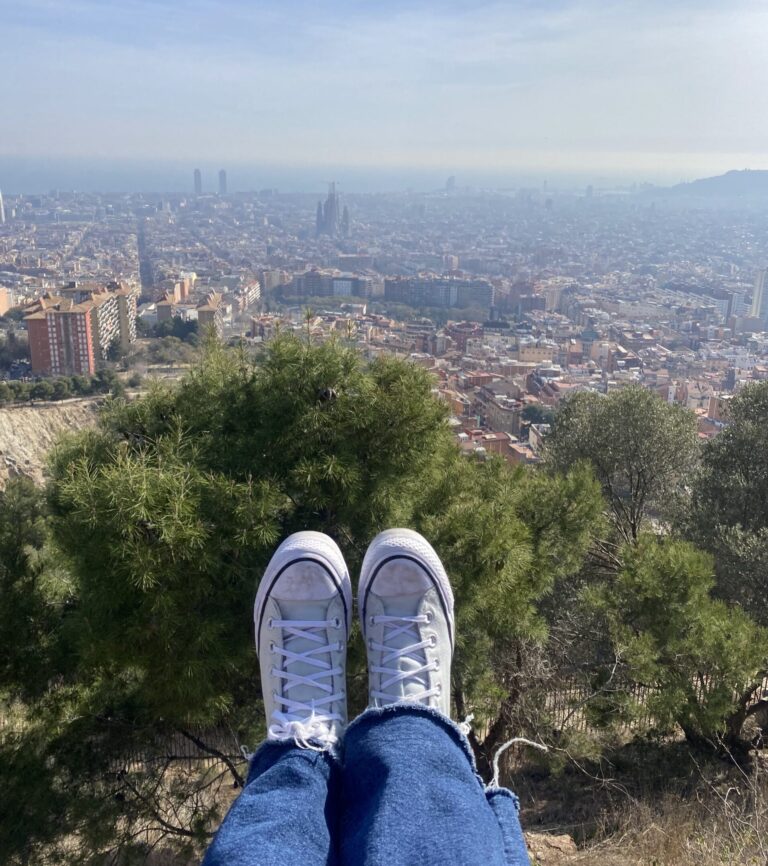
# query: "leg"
410 790
288 810
411 795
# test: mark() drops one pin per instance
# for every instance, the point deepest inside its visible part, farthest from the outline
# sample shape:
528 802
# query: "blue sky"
652 89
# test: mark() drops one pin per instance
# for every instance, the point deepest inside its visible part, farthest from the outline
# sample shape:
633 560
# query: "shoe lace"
306 721
397 675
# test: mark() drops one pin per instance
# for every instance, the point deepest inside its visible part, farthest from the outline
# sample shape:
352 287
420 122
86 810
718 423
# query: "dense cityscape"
513 298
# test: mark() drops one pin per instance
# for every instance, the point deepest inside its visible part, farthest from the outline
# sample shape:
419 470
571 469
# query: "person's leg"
411 796
410 790
288 810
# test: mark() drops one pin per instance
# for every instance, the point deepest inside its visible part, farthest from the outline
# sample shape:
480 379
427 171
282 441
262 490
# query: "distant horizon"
572 91
24 175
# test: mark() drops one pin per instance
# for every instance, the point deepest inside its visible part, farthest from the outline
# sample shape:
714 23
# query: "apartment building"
71 331
210 313
61 339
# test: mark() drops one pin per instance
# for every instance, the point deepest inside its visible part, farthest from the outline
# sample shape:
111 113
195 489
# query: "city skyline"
644 92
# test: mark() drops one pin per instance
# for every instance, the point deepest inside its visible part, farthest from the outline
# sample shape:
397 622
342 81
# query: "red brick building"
61 337
72 331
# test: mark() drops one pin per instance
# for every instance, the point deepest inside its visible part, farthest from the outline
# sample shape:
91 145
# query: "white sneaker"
302 617
406 611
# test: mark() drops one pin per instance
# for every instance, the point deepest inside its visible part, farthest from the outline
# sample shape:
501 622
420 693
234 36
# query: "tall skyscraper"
760 296
198 182
222 182
2 209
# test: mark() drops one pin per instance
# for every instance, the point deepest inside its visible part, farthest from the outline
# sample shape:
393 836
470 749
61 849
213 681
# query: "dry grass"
716 827
674 833
717 815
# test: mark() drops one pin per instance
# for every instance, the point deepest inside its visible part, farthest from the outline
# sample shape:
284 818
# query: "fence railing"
569 707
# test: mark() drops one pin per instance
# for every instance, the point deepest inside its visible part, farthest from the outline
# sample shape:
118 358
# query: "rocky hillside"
28 432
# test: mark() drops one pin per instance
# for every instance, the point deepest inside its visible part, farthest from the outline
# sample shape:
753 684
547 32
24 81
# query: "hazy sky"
656 89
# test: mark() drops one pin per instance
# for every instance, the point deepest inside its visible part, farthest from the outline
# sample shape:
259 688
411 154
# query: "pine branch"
239 780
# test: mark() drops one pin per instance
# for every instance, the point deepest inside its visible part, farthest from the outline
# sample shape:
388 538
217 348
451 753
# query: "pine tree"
160 524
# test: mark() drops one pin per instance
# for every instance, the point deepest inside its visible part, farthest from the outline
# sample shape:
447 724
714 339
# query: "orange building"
70 332
61 338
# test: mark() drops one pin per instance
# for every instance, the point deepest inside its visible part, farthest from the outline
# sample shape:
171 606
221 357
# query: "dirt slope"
28 432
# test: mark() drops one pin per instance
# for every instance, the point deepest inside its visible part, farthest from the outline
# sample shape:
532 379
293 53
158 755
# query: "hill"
745 183
28 432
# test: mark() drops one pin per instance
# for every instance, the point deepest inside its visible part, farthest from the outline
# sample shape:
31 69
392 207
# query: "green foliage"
505 537
13 347
640 448
181 329
728 512
166 350
22 611
19 391
741 558
692 653
42 390
642 613
115 350
61 387
165 517
538 413
732 488
131 583
165 527
80 385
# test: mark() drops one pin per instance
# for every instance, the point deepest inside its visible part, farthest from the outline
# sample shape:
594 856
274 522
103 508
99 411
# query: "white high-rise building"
760 296
2 209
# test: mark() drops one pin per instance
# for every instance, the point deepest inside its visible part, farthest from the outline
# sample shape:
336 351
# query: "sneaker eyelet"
439 688
271 646
336 622
269 623
370 643
430 616
433 640
372 620
436 665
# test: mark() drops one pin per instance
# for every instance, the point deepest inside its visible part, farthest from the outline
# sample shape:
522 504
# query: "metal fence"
569 707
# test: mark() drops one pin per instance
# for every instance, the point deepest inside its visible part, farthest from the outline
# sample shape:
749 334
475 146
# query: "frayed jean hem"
370 715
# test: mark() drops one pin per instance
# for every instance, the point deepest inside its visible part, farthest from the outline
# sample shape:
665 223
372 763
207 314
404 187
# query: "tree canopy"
129 675
640 448
728 512
163 519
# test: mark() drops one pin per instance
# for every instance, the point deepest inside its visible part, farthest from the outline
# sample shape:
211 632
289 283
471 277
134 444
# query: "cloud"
402 83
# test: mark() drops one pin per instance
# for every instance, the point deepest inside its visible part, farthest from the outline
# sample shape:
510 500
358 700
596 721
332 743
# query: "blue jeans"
406 793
